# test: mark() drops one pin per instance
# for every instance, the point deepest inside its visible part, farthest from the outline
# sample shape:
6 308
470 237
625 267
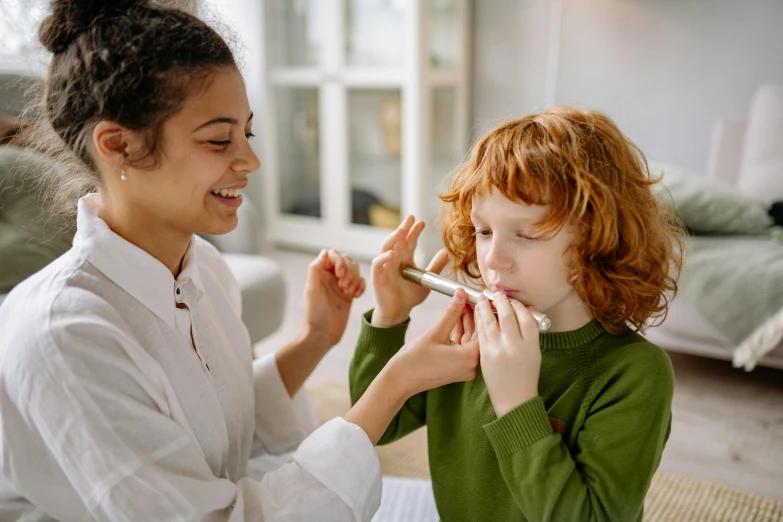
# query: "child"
553 210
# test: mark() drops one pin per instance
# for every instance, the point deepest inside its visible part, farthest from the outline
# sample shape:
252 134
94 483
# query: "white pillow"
761 174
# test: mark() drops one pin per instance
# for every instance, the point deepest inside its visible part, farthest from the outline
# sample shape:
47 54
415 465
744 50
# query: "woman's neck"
137 226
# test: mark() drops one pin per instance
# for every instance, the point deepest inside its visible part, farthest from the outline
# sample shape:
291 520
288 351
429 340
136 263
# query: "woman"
127 390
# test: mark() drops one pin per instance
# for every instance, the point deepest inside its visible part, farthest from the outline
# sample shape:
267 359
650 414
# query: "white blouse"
118 405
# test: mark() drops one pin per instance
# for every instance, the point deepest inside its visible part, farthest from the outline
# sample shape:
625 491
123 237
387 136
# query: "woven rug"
671 498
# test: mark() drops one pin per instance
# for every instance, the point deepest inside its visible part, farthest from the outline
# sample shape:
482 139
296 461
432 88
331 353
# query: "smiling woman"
127 389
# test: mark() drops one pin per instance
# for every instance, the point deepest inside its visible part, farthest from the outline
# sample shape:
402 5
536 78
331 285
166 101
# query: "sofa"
745 157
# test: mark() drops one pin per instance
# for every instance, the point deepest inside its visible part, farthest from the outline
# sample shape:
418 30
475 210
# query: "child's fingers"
359 291
399 251
528 326
481 334
381 266
438 261
399 234
485 317
507 319
413 237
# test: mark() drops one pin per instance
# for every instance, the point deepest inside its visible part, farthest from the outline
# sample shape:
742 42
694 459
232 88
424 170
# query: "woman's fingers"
468 321
528 326
457 332
337 261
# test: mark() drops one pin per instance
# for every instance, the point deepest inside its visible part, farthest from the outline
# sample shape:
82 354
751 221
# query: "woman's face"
205 162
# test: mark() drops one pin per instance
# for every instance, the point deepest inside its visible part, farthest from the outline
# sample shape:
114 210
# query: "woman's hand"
510 352
446 353
428 362
396 296
333 282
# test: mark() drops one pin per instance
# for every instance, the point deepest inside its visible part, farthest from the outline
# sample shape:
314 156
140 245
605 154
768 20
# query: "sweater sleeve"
376 346
606 477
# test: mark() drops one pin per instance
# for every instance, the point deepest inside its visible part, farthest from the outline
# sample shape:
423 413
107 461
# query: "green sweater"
586 449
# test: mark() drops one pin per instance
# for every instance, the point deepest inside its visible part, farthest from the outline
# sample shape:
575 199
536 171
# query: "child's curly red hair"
628 252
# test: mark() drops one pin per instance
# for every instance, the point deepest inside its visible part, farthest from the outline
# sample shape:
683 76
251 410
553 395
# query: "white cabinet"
366 114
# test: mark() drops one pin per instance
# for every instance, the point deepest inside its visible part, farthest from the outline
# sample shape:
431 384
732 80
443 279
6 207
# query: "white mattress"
685 331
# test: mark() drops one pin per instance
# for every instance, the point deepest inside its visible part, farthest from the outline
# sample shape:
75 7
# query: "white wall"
665 70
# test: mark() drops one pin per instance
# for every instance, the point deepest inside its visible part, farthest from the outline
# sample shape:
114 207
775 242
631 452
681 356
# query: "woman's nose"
246 160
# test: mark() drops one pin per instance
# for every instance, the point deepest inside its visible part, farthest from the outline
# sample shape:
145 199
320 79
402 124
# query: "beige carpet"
671 498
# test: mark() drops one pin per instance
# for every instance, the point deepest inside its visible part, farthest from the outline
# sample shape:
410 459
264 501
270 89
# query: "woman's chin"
217 226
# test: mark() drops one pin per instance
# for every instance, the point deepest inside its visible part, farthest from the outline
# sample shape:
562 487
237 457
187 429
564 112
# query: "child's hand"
396 296
510 352
435 358
333 281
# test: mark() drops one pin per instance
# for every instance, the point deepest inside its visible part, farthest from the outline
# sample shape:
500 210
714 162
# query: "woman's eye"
224 143
249 135
483 232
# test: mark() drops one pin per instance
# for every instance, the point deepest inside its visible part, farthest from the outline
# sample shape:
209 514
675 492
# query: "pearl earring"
123 176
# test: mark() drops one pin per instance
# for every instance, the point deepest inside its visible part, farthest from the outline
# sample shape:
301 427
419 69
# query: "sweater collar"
573 339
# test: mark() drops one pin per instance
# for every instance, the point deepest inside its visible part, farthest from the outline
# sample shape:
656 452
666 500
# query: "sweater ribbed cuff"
382 341
519 428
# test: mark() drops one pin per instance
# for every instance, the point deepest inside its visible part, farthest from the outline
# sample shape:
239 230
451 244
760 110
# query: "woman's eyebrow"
221 119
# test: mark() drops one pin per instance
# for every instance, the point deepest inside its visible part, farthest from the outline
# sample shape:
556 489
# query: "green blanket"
733 273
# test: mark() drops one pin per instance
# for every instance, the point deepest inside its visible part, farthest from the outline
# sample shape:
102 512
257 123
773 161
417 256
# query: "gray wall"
665 70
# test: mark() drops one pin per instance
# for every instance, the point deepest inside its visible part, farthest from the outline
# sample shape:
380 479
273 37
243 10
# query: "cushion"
761 174
29 237
709 207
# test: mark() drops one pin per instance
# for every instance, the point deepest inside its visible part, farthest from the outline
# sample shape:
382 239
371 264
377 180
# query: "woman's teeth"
227 193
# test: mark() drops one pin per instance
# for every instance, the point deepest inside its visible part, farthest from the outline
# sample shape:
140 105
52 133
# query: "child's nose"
497 259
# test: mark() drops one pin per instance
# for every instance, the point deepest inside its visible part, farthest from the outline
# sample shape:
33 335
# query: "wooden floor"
727 427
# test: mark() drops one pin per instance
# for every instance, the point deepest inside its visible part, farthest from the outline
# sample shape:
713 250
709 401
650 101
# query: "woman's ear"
110 141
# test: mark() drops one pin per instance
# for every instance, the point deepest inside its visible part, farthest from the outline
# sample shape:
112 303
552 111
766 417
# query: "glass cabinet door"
296 32
299 162
374 156
445 33
374 32
446 149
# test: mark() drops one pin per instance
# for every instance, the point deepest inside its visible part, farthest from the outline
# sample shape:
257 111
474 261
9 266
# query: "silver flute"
448 287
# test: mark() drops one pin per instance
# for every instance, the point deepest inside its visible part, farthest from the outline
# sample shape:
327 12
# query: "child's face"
533 271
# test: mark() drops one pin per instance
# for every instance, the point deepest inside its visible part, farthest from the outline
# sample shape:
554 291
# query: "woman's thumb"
453 314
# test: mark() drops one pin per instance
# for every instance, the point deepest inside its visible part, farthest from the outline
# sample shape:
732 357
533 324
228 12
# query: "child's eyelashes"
481 232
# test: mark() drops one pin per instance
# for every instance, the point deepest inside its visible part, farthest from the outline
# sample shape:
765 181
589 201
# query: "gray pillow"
30 238
708 207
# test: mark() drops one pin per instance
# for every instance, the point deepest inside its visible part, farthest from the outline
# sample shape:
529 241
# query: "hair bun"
71 18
